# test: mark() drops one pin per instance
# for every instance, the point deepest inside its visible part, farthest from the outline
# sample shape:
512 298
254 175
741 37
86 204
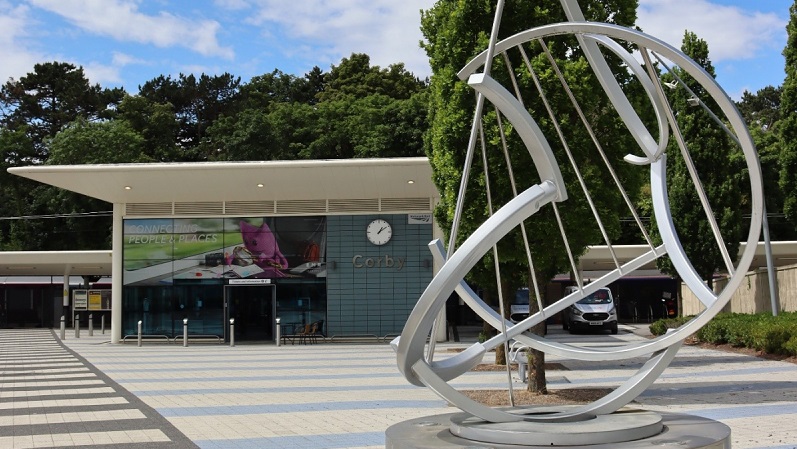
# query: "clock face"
379 232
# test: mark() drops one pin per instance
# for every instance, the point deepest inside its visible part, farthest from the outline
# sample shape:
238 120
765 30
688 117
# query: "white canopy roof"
238 181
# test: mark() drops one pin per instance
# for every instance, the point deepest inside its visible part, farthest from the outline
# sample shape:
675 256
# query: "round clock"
379 232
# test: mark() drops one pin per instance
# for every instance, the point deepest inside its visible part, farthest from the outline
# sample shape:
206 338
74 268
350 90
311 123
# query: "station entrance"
254 309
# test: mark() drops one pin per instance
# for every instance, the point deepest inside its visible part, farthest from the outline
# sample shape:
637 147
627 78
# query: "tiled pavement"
330 396
50 397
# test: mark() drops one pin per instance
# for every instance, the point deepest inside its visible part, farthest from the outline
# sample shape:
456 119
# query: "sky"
125 43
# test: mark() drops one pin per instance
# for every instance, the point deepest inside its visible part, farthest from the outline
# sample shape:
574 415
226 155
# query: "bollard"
102 323
91 325
185 332
77 326
232 332
279 332
139 333
63 327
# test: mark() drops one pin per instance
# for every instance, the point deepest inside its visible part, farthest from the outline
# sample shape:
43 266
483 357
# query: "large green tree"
355 110
197 103
787 130
33 109
720 165
455 32
761 111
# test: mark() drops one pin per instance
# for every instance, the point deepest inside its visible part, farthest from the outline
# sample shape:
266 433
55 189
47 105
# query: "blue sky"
128 42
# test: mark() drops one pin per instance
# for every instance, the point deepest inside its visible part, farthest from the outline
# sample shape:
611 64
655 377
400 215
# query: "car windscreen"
599 297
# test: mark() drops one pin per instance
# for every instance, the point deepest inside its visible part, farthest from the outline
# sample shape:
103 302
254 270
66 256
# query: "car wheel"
564 325
614 329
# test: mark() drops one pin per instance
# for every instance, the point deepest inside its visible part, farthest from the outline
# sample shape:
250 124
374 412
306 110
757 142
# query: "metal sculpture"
483 423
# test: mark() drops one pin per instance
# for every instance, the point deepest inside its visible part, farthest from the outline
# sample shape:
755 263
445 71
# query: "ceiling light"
128 188
260 184
411 181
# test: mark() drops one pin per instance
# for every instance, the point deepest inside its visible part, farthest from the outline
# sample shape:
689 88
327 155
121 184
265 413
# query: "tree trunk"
536 373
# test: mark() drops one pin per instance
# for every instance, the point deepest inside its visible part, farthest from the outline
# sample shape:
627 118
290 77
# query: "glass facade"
210 270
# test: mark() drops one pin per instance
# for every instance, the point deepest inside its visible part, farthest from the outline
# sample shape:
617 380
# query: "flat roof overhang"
55 263
596 260
240 181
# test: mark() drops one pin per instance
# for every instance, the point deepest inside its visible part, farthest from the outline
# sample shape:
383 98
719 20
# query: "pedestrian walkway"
334 396
50 397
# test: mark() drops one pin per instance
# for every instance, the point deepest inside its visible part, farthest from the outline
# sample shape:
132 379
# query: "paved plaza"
88 392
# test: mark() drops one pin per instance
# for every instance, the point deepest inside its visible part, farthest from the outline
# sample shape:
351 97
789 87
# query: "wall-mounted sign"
419 218
249 281
91 300
385 261
80 300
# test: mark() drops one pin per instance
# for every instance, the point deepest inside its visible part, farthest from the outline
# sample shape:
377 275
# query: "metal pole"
91 325
771 272
139 333
279 332
232 332
185 332
63 327
102 323
77 325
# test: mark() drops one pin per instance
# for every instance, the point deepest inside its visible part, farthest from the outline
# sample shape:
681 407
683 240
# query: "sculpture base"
620 430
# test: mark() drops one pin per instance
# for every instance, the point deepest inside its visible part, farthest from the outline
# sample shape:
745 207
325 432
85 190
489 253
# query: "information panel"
99 299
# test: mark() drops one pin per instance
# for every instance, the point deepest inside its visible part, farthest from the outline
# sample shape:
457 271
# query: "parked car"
594 312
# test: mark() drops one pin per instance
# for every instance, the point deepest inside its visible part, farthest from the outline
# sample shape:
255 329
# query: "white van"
594 312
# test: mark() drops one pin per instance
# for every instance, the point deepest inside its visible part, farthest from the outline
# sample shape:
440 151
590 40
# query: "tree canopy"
53 115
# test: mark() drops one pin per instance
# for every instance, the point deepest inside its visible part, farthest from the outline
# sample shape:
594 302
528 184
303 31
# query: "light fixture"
260 184
128 188
671 84
411 181
693 101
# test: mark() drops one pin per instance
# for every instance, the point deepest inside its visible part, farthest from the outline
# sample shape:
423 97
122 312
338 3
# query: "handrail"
198 336
147 336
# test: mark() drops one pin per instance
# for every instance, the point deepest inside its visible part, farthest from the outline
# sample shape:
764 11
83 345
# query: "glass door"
254 308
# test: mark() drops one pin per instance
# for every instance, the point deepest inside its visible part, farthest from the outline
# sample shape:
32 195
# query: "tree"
156 123
762 113
354 111
720 165
787 130
455 32
33 109
197 103
44 101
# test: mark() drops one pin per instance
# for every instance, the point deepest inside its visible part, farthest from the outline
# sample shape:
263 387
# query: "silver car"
594 312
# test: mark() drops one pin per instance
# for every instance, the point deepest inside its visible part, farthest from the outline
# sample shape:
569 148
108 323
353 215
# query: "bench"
518 353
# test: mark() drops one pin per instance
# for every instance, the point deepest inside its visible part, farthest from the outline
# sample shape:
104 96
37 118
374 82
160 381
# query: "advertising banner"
166 251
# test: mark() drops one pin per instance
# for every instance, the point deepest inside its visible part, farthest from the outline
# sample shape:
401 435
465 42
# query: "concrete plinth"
677 431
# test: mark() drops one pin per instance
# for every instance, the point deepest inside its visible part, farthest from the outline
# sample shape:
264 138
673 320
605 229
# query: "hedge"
762 331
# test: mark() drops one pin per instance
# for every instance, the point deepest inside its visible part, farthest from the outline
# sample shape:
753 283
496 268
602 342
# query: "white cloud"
121 20
234 5
731 33
16 53
387 30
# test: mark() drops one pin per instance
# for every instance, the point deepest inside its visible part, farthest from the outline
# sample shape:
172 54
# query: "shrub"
660 327
762 332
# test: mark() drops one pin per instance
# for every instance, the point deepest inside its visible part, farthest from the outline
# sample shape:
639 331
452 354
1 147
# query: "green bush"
762 332
791 346
660 327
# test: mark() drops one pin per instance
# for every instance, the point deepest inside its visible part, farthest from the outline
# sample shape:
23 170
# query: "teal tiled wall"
374 299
